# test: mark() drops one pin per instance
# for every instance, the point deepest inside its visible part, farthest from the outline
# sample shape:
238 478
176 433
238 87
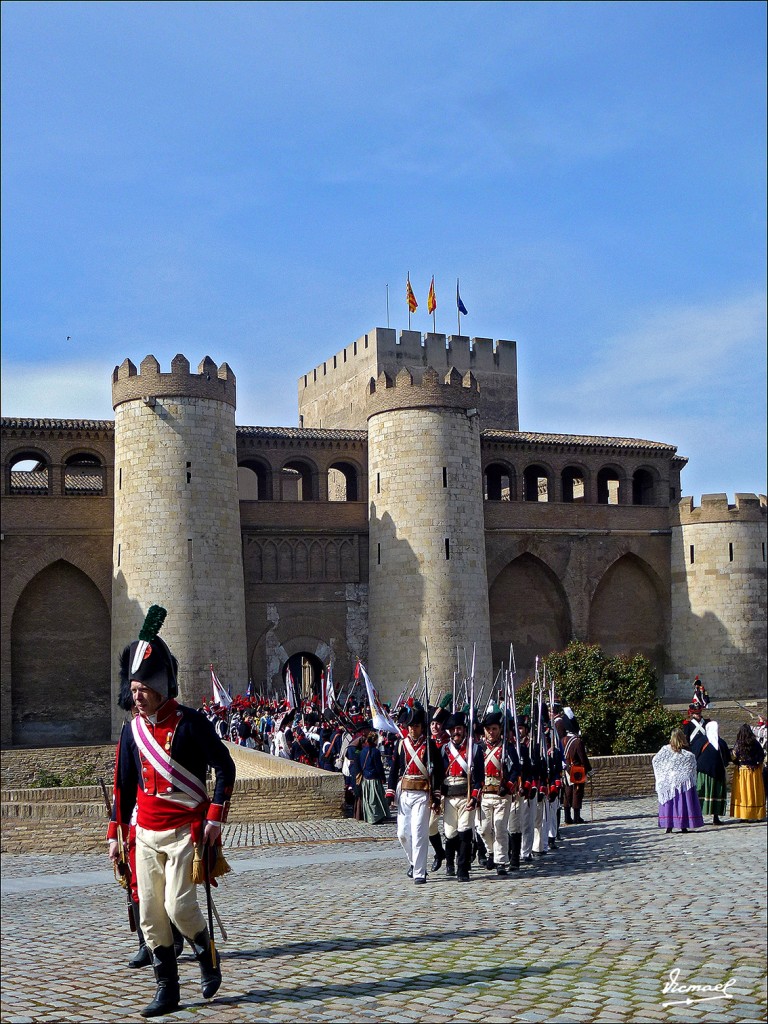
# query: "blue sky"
243 181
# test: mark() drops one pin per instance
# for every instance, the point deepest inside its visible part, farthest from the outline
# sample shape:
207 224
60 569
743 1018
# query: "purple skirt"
682 811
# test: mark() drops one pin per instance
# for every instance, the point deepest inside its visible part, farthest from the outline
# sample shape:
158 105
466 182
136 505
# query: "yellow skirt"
748 794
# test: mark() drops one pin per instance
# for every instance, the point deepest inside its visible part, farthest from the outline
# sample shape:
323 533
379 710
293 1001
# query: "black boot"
437 845
464 858
568 816
178 941
210 973
479 847
451 845
551 843
559 816
142 958
516 842
167 977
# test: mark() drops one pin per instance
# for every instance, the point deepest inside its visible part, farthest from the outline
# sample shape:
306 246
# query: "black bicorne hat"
148 661
458 718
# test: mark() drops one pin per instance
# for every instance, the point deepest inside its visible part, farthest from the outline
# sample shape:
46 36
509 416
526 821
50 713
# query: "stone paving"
324 926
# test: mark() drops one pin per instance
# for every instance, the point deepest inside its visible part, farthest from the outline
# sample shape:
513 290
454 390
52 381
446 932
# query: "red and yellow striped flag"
432 298
410 297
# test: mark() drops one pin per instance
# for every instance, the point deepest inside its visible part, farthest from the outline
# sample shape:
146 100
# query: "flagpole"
408 278
458 311
387 305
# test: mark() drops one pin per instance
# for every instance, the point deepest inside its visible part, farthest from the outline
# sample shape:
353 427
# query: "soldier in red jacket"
161 764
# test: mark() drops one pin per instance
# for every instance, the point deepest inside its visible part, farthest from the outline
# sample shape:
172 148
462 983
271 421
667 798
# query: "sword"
121 867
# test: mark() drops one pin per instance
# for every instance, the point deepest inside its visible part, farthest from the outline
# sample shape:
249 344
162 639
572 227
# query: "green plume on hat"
446 701
154 619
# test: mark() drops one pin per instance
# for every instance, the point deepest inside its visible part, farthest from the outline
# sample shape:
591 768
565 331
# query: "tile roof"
18 423
304 433
587 440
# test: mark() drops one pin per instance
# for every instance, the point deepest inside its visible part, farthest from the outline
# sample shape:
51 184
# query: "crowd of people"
503 784
691 773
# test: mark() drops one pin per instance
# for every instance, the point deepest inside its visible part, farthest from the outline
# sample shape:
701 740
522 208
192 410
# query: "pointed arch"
529 608
60 660
626 614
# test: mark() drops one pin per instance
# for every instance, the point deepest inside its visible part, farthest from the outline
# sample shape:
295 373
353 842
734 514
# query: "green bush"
45 780
614 699
84 776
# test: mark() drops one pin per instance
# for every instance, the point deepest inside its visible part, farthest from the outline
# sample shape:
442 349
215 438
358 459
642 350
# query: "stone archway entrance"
60 660
306 670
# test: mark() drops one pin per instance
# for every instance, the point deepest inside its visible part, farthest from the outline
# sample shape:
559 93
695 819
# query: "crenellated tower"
177 523
719 601
427 571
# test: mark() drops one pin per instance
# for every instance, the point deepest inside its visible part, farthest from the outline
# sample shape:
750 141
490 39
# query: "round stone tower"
177 520
427 576
719 597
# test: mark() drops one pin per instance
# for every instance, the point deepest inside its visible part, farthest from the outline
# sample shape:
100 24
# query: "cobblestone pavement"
324 926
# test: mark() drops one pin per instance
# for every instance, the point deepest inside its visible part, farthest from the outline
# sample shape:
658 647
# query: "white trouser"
413 828
516 811
541 826
528 816
495 826
434 823
166 891
456 817
554 807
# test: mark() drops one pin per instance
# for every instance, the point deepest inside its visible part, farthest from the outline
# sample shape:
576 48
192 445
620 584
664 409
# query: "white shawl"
675 773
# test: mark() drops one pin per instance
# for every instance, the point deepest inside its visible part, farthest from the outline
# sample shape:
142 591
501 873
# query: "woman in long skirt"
375 806
674 768
748 789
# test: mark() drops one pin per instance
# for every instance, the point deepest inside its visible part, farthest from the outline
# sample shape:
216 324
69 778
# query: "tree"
618 708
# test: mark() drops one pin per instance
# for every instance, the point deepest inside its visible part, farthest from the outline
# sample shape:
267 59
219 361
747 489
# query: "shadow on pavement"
351 944
392 986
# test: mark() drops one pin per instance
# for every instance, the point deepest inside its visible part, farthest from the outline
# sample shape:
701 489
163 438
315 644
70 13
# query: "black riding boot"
478 846
451 845
210 974
167 977
464 858
178 941
437 845
516 842
142 958
568 816
559 818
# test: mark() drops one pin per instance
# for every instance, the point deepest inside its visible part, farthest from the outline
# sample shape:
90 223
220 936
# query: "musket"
512 673
207 850
471 732
426 712
121 866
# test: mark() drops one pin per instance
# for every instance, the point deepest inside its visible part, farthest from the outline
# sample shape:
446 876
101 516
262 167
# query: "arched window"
498 482
536 484
574 488
29 474
83 474
643 488
254 481
608 486
342 482
296 482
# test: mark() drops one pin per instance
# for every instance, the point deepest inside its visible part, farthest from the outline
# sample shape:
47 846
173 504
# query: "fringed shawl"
675 773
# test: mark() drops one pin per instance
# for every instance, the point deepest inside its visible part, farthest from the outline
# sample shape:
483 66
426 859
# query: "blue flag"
460 305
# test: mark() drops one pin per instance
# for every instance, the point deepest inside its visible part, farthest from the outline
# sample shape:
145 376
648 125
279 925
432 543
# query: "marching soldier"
161 765
502 770
440 737
415 778
462 785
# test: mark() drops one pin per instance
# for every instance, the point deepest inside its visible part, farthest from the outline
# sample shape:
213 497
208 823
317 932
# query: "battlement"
210 381
333 394
422 389
413 348
715 508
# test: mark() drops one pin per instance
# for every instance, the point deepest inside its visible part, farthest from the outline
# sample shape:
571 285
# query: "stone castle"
407 506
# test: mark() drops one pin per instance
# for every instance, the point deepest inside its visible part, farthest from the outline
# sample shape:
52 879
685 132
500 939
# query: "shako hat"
413 714
493 717
441 716
148 661
457 719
